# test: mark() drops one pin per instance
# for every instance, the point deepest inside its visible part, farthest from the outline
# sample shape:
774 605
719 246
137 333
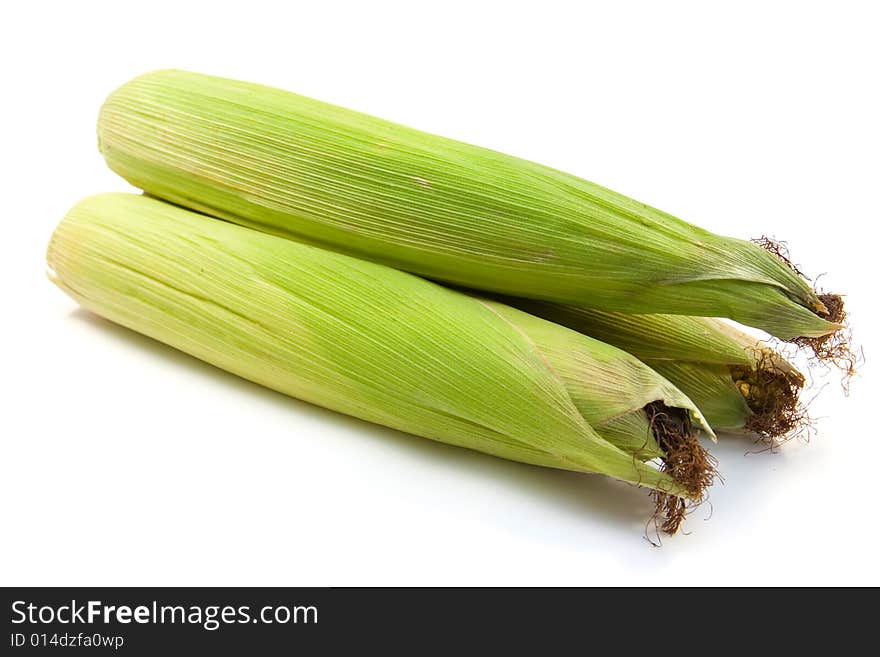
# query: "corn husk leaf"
446 210
737 382
609 387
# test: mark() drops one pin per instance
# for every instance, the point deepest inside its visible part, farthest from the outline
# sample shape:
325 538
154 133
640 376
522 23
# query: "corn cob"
738 383
380 344
465 215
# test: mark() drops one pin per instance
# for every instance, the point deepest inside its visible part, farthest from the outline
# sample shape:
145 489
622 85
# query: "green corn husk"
380 344
465 215
609 387
738 383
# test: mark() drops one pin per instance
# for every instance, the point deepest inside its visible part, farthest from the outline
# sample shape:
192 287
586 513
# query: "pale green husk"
462 214
364 339
608 386
702 356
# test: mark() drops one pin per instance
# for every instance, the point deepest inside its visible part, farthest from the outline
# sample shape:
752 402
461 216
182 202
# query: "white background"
125 462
